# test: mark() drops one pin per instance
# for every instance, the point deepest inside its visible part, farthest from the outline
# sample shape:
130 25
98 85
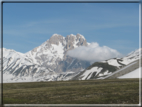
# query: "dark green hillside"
105 67
117 91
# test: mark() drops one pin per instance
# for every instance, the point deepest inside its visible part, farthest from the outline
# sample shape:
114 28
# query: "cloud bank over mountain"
93 53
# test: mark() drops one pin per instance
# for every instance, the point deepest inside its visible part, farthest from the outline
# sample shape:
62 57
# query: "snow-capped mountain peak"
50 62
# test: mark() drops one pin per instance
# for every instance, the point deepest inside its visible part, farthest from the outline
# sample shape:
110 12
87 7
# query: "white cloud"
93 53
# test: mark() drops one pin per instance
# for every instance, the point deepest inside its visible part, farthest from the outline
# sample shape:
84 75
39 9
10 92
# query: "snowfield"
134 74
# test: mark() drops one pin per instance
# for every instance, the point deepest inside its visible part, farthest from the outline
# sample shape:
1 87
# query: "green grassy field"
116 91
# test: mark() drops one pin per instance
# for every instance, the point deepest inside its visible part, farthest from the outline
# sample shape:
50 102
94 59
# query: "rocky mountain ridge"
49 61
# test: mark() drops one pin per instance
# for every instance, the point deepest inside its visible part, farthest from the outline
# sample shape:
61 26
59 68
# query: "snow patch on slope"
113 62
87 74
59 49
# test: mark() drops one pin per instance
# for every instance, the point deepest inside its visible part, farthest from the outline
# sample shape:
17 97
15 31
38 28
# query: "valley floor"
111 91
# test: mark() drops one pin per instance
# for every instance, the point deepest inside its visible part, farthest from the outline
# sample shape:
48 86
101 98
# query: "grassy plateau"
111 91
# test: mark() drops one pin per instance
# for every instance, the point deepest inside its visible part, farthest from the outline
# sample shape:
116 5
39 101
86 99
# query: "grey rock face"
71 39
55 39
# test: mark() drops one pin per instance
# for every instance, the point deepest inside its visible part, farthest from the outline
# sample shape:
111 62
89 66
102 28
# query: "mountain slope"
108 67
125 70
133 74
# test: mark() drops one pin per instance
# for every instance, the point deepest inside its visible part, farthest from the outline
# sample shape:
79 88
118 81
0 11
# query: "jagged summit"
77 36
56 38
68 40
80 36
71 35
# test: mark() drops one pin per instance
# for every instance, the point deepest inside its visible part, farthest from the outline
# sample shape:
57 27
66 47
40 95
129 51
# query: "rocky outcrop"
55 39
